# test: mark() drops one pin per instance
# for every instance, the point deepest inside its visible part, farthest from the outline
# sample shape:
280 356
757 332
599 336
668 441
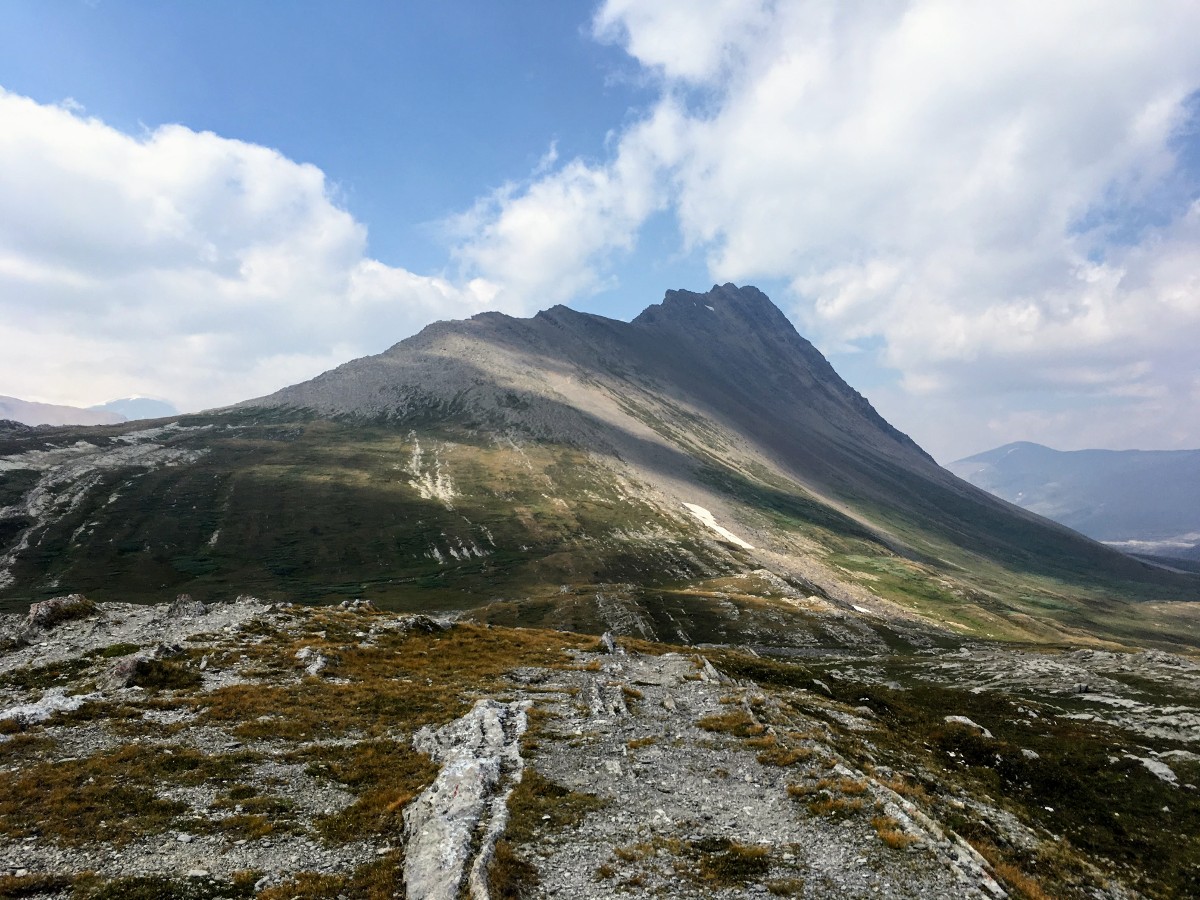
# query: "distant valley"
1141 501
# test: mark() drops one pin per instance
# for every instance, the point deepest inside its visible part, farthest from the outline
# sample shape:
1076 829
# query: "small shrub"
49 613
160 674
786 887
736 864
31 885
510 876
835 806
114 651
634 852
776 754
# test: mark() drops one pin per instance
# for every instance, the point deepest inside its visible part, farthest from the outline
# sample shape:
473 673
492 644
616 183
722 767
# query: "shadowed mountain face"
575 471
1143 501
718 380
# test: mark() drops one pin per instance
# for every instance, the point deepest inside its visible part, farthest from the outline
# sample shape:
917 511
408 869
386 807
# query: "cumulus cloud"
555 236
204 269
992 193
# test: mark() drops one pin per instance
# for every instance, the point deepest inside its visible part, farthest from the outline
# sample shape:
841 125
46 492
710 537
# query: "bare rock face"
184 607
53 701
481 762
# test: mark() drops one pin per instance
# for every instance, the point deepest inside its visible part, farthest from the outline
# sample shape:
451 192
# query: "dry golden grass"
634 852
735 864
32 885
905 788
775 753
381 879
639 743
843 785
830 806
737 722
535 806
538 804
384 775
1008 873
403 681
890 833
510 876
108 796
786 887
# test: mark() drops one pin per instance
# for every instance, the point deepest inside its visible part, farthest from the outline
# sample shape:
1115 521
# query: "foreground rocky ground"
253 750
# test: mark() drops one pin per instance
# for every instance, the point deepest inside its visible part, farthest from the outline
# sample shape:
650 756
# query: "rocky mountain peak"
746 305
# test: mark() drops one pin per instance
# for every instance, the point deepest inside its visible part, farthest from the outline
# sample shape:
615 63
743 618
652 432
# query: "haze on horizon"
985 215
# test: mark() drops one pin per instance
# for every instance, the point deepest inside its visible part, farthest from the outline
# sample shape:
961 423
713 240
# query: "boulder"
45 615
184 607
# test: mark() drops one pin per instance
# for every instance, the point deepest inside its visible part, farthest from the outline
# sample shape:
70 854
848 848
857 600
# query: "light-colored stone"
481 763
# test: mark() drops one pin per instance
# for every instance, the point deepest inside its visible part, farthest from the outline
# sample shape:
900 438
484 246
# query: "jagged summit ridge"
722 353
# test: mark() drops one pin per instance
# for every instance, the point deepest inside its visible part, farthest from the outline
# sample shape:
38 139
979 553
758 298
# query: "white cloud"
189 265
694 42
552 238
954 178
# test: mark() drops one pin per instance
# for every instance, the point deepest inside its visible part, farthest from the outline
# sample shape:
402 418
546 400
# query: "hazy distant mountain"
1144 501
134 408
30 413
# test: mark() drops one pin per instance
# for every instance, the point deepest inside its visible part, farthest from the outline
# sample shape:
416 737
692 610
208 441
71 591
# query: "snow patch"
706 519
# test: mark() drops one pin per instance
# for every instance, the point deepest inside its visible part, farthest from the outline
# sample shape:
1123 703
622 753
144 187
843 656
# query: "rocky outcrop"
451 829
48 613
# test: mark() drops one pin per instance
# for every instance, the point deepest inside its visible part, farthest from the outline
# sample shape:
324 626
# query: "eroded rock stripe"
481 763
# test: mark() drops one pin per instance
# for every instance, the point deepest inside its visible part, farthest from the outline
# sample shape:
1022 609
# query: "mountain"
825 667
133 408
700 474
1143 501
28 412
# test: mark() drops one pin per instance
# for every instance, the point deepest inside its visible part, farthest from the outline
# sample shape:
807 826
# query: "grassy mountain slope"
540 467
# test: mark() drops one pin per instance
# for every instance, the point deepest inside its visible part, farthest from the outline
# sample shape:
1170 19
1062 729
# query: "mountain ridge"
574 471
31 412
727 358
711 624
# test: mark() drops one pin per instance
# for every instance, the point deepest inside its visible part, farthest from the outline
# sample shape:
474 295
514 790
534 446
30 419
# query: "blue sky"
987 219
411 109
